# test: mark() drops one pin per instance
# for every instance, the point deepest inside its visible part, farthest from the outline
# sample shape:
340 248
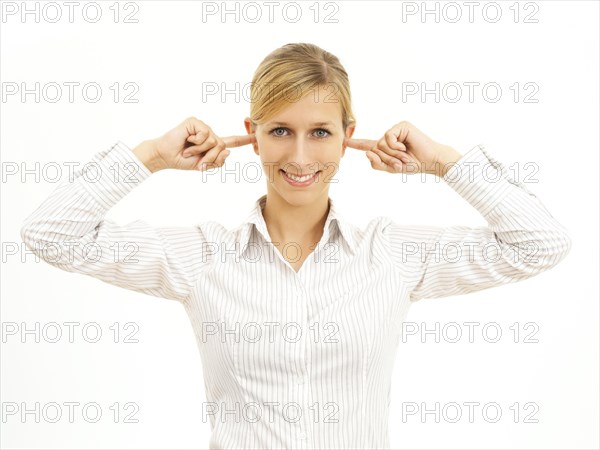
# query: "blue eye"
283 128
326 131
279 128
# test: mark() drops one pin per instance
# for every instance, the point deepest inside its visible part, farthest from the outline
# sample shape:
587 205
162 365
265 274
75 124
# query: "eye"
275 129
275 133
324 130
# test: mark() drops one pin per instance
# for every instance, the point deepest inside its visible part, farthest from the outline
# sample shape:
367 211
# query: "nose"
301 157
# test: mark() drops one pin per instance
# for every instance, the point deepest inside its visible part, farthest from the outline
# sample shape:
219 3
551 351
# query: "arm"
163 262
522 238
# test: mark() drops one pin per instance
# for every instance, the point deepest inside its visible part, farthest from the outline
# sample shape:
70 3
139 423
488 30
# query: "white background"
168 54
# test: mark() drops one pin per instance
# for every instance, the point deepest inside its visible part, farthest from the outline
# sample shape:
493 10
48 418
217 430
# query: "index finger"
238 141
361 144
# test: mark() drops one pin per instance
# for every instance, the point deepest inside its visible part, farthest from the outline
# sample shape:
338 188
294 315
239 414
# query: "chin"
301 198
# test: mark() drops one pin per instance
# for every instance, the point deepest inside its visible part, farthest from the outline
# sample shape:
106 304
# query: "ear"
349 133
251 129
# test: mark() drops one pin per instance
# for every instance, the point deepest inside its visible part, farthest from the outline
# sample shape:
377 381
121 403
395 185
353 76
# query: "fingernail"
398 167
186 154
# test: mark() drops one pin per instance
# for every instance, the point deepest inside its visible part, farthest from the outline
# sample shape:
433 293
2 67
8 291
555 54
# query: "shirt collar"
256 219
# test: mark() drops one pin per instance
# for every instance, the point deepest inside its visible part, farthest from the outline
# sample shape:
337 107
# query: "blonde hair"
292 71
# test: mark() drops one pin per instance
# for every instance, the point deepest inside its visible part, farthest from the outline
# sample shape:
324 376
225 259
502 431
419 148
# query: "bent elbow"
33 237
559 248
27 235
567 244
547 254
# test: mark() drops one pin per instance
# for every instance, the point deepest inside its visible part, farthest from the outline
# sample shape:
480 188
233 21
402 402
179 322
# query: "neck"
295 223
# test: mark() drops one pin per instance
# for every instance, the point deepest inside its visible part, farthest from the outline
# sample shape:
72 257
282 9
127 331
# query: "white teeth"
299 179
293 177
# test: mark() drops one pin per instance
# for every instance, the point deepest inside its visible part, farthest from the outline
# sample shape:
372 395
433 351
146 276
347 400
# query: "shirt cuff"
481 180
112 174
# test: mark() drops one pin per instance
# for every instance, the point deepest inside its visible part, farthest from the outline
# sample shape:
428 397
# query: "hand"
192 145
404 148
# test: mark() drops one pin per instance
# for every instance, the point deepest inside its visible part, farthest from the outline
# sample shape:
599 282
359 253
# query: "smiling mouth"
300 179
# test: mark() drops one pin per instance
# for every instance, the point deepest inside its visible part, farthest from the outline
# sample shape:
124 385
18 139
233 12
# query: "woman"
297 313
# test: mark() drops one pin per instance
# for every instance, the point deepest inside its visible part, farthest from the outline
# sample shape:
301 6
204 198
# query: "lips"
300 181
302 177
300 174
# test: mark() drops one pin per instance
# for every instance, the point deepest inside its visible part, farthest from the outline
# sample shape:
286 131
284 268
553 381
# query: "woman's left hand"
405 149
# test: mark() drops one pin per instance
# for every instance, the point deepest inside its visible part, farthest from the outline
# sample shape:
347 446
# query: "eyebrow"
316 124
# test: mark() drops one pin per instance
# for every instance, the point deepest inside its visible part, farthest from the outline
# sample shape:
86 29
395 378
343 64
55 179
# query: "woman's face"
306 138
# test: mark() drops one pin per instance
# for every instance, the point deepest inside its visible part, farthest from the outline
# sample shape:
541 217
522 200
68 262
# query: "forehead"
318 107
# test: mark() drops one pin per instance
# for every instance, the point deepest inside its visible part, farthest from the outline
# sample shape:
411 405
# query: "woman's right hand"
189 146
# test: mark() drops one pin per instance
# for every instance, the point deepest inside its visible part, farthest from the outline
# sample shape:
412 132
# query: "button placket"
302 385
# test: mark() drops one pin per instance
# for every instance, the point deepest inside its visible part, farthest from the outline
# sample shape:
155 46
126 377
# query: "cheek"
270 155
333 153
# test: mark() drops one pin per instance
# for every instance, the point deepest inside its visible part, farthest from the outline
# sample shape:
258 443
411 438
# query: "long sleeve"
69 231
522 238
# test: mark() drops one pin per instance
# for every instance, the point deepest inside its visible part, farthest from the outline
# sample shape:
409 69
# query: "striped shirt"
297 359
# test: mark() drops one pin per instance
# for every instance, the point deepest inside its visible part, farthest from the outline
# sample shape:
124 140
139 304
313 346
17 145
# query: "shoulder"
401 244
368 237
379 226
213 229
216 237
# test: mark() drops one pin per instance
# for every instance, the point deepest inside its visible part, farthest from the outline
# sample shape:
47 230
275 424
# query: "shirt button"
300 380
302 435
